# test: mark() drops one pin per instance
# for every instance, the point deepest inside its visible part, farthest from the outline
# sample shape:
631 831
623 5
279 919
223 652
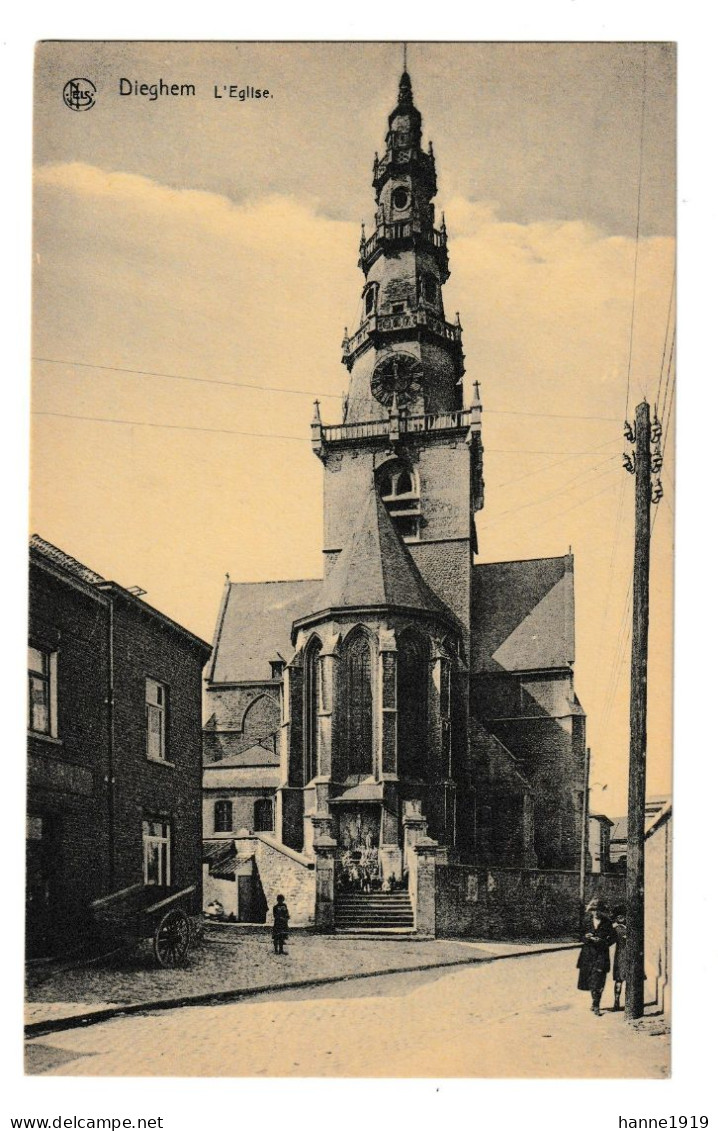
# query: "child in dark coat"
280 930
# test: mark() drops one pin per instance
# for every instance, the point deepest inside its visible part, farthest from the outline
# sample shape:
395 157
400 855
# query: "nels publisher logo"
79 94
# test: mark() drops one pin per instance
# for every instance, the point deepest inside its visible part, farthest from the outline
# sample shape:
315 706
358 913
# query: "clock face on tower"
398 373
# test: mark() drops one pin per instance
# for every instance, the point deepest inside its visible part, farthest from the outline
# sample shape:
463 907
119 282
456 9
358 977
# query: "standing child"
280 930
619 956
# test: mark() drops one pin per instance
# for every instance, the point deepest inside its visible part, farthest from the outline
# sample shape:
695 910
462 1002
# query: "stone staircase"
374 912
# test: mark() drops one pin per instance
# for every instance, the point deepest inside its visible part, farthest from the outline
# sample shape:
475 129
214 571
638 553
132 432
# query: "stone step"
375 908
399 913
373 912
401 916
376 932
368 916
383 905
379 898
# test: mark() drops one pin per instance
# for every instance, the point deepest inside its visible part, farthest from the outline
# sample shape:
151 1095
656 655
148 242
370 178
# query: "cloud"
555 300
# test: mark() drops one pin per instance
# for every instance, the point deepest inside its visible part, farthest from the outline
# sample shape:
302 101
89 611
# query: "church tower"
376 697
406 428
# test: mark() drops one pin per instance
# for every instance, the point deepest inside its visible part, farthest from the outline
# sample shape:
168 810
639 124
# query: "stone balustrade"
377 324
367 429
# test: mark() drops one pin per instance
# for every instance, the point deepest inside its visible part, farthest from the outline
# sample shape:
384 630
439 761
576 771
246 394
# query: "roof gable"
523 615
254 627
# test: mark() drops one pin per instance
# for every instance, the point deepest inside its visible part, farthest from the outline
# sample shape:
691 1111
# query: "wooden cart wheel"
172 936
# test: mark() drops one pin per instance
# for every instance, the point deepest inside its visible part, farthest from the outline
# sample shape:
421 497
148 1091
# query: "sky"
187 248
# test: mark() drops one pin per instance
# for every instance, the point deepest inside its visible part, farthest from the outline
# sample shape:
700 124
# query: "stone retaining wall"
510 903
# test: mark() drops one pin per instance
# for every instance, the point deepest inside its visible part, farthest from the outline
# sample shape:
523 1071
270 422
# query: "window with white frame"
42 691
156 714
156 838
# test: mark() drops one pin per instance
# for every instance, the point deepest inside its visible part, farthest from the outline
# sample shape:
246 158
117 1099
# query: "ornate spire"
406 98
405 109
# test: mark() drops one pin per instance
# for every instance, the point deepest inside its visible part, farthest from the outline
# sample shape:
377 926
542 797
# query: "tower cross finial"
404 56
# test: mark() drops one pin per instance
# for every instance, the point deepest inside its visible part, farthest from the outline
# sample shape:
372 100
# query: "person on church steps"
280 929
594 961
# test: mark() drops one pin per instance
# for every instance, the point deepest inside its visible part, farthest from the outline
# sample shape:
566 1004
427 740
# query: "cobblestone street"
237 959
517 1018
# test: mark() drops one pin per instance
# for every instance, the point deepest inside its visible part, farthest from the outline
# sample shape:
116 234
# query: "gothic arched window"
313 705
413 705
359 707
370 299
261 722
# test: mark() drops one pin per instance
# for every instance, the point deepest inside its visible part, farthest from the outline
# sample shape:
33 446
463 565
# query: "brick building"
414 693
114 747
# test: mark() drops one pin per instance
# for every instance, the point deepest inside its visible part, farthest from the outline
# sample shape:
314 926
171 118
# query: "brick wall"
550 749
67 791
283 872
242 807
144 788
252 710
515 903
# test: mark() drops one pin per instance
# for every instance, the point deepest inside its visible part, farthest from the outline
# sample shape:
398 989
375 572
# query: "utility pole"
584 841
642 465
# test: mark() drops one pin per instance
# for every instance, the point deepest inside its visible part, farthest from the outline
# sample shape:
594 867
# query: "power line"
666 415
175 427
265 435
567 510
559 491
614 547
638 231
546 467
296 392
183 377
665 340
551 415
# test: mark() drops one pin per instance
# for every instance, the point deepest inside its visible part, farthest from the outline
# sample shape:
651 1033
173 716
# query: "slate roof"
223 749
655 808
111 590
65 561
222 857
225 869
241 777
375 569
255 624
523 615
215 850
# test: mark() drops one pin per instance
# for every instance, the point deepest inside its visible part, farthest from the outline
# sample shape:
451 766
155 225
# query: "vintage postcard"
351 567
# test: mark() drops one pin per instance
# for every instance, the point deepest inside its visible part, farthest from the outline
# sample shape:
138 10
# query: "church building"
412 687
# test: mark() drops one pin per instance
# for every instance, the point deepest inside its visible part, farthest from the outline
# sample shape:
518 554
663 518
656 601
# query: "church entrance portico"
367 832
358 839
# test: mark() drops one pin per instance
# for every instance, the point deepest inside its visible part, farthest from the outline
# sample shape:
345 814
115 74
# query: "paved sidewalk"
520 1018
234 961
